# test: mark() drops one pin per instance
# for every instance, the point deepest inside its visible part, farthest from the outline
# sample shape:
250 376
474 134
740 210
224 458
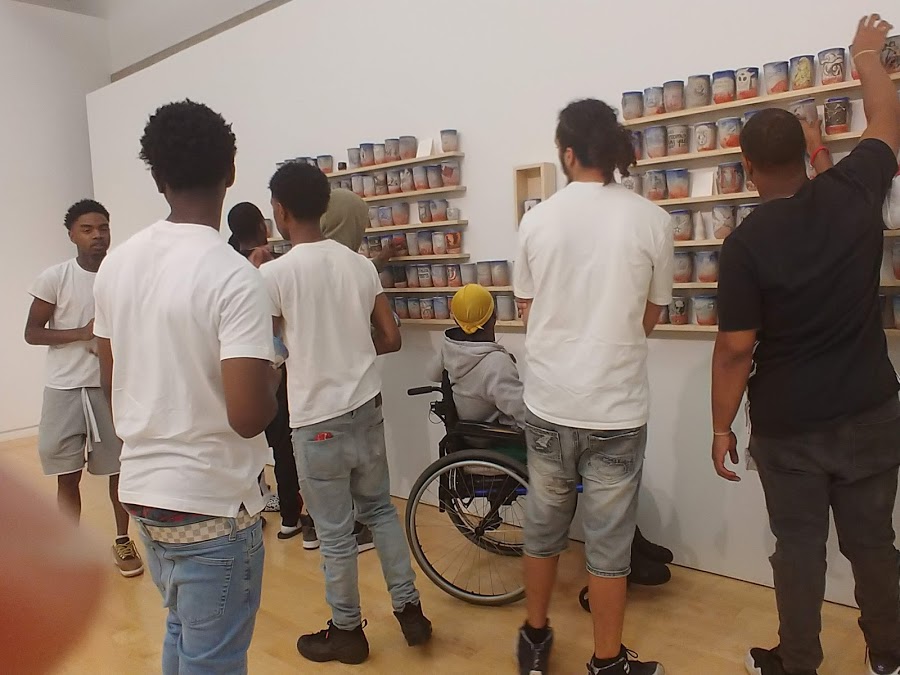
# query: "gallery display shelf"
440 224
447 290
712 243
684 328
695 285
820 92
429 258
709 199
413 196
727 152
440 157
501 325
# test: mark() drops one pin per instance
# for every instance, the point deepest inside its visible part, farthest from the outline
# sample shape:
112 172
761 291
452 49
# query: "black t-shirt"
805 272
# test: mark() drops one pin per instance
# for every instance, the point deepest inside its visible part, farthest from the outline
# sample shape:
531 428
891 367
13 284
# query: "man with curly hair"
184 333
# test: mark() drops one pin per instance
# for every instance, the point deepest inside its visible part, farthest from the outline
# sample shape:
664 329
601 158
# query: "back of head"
591 129
772 141
473 308
301 190
189 147
244 221
346 219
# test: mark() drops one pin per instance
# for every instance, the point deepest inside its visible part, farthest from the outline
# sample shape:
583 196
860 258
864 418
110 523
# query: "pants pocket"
614 455
203 591
544 444
320 460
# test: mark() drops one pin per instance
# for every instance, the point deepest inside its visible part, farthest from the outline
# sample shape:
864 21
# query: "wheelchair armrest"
491 431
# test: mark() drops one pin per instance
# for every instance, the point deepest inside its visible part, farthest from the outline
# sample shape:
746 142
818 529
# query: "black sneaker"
334 644
310 538
884 664
625 663
768 662
415 626
650 550
364 539
647 572
534 659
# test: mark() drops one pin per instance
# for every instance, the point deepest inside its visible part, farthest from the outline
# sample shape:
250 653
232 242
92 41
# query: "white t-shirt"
326 294
591 257
175 300
71 288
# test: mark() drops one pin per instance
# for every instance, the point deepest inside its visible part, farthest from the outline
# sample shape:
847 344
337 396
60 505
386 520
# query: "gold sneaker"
127 559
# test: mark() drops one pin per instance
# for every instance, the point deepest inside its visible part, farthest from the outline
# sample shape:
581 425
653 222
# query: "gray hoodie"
486 384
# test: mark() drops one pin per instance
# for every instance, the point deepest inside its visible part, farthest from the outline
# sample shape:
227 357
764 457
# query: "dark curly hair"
302 190
773 139
244 220
591 128
188 146
82 208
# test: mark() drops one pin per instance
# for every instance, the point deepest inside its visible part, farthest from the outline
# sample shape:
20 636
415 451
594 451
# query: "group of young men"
178 331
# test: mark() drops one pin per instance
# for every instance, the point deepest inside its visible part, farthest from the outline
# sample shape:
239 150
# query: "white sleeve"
523 281
267 272
891 211
102 324
663 267
46 286
245 317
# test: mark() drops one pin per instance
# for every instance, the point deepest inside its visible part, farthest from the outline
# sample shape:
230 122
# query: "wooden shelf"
429 258
695 285
444 290
708 199
889 234
686 328
533 181
506 325
417 226
699 243
397 165
818 92
406 196
890 283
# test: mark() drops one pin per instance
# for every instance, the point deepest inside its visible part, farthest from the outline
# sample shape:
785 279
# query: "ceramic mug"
420 178
729 132
399 277
439 275
378 153
393 182
678 183
655 185
722 220
367 154
453 214
399 239
500 273
632 105
387 278
414 306
656 141
449 140
633 183
433 171
506 308
374 246
730 178
412 243
369 186
439 210
356 184
682 225
381 183
803 72
706 136
698 91
743 210
325 163
441 307
837 115
424 273
353 158
777 77
747 115
408 147
454 241
653 101
400 213
637 142
678 312
724 88
833 64
673 96
412 276
454 279
425 212
401 307
890 54
529 204
468 273
483 270
439 243
392 149
345 183
746 83
895 259
373 217
684 268
427 308
426 245
450 173
678 139
805 109
707 263
663 316
706 310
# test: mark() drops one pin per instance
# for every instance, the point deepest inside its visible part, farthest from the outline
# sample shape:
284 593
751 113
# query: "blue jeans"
212 591
351 468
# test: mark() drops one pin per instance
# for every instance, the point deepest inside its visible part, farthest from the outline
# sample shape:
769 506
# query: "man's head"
88 224
247 225
774 150
592 144
473 310
189 149
300 195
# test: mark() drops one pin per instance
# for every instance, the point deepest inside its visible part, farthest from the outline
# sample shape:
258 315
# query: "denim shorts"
609 465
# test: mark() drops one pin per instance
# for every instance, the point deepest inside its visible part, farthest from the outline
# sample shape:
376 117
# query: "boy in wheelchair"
487 388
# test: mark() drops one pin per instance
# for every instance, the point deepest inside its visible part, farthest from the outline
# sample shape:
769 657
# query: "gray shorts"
77 431
609 464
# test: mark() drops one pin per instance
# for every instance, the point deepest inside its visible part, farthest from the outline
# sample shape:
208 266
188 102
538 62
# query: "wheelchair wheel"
478 494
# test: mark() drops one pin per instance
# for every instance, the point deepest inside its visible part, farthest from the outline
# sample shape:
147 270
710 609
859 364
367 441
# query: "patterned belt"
205 530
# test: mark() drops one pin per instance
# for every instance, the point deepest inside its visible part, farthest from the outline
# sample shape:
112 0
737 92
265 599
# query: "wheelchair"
475 489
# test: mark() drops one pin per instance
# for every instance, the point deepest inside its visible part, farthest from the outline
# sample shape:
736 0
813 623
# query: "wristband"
812 157
864 51
722 433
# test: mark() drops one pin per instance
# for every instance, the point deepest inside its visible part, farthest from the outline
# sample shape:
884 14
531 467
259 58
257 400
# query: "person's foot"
647 572
625 663
127 558
364 539
290 531
273 505
415 626
650 550
534 650
334 644
884 664
768 662
310 538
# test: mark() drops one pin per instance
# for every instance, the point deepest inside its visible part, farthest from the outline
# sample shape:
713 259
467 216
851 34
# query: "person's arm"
384 257
260 256
660 293
651 317
819 154
523 280
879 92
104 351
731 366
37 333
385 332
504 387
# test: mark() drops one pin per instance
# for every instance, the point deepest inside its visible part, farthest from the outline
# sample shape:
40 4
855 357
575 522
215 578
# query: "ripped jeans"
609 464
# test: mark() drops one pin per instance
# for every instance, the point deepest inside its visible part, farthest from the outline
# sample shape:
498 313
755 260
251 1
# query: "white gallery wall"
49 60
317 77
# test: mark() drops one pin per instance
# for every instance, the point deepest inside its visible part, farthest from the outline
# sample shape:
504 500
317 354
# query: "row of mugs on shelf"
438 307
702 266
705 309
729 85
451 275
433 211
398 181
725 218
659 184
414 243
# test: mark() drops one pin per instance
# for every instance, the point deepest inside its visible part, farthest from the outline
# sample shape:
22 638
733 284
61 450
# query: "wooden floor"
698 624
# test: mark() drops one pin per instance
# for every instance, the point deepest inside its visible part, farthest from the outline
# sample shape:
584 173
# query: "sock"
123 539
287 529
536 635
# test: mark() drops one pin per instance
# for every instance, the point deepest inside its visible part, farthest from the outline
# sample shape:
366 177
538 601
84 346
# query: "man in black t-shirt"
800 328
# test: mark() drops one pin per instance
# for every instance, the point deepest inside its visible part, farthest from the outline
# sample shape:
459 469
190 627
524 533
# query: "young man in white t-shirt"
594 269
184 333
336 320
76 430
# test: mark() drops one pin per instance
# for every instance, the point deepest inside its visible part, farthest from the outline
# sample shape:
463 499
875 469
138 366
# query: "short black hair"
188 146
773 139
302 190
591 128
82 208
243 221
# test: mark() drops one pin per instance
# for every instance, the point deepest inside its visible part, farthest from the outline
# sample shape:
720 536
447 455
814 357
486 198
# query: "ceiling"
98 8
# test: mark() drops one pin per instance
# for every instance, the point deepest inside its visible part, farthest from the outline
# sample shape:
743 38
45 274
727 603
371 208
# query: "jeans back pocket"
544 443
203 589
614 455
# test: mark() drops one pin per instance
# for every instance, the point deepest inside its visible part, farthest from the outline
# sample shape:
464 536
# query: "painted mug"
722 220
803 72
393 182
400 276
678 312
678 139
439 210
400 213
673 96
407 182
454 277
663 316
450 173
729 132
414 306
399 239
425 212
833 63
500 273
805 109
381 183
367 154
356 184
412 243
401 307
706 310
412 276
483 274
373 217
746 83
637 142
408 147
655 185
682 225
378 153
632 105
441 307
777 77
385 216
837 115
730 178
439 243
724 87
426 245
427 308
353 158
392 149
325 163
387 278
633 183
420 177
453 214
707 263
744 210
656 141
506 308
369 186
454 241
653 101
449 140
890 54
468 273
433 172
684 268
698 91
439 275
678 183
706 136
424 273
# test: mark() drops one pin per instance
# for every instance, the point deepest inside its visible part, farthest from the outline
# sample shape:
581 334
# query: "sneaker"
534 659
768 662
127 558
310 538
625 663
334 644
650 550
364 539
288 532
415 626
884 665
647 572
273 505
